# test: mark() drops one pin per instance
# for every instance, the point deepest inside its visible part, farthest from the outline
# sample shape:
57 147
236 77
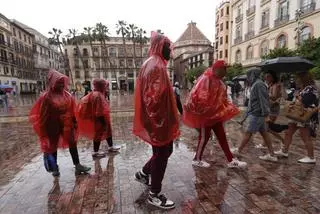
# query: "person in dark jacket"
176 90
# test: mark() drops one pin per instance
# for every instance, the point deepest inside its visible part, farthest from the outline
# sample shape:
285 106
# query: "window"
14 32
227 10
238 56
227 38
265 19
305 34
85 52
25 37
221 27
130 63
250 52
251 3
220 55
264 48
238 31
227 25
282 41
2 39
283 10
121 63
130 74
226 53
239 10
19 35
121 51
221 12
112 52
305 3
29 40
221 40
85 64
250 26
77 73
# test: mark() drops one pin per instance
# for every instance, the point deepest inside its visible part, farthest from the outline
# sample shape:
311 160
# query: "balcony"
308 8
264 26
263 2
281 20
239 18
251 10
249 35
238 40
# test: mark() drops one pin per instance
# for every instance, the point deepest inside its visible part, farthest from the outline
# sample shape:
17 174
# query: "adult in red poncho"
207 107
93 115
156 117
53 119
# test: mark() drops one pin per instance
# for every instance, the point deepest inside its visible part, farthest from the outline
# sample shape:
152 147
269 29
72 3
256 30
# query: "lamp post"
300 26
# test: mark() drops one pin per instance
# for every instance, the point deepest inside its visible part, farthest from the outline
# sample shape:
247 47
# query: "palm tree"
89 36
123 31
141 39
75 39
57 40
102 33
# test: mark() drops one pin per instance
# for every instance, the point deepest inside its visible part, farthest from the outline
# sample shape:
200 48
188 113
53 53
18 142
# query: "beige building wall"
268 33
223 28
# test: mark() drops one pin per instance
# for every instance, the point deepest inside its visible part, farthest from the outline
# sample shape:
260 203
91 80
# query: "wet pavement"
25 186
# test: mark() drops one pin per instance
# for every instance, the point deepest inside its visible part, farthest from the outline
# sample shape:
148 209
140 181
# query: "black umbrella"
286 64
242 77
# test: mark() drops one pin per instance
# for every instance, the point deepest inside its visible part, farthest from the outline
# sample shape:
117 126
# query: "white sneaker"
235 163
268 157
98 154
160 200
280 153
307 160
114 149
200 163
235 151
260 146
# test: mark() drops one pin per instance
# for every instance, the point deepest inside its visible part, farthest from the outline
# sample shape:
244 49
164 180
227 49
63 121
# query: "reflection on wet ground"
25 186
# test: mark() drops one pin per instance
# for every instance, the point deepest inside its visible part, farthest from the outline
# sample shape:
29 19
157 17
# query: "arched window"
238 56
85 52
282 41
305 34
264 48
250 52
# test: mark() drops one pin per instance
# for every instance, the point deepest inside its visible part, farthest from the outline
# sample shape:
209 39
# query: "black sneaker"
144 179
160 201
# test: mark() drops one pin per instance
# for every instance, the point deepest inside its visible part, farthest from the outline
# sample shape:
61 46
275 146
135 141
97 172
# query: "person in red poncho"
93 114
156 117
206 108
53 119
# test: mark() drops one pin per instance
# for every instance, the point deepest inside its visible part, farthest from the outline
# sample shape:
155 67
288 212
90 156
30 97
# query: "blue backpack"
49 162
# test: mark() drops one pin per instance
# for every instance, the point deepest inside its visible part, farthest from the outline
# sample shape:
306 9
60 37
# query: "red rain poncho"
91 107
207 102
156 117
52 116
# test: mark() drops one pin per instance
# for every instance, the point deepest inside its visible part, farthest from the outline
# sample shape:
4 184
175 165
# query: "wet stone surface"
25 186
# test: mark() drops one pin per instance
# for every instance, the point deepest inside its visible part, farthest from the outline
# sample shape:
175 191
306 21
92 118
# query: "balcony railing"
308 8
281 20
251 10
239 18
249 35
264 26
264 2
238 40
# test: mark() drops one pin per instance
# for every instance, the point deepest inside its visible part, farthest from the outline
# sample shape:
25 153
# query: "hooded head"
160 45
220 68
100 85
253 74
57 81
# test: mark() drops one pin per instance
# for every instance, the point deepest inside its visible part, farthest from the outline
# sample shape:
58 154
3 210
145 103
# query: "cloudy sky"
171 16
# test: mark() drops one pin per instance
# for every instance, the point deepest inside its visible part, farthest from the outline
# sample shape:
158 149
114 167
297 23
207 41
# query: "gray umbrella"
287 64
242 77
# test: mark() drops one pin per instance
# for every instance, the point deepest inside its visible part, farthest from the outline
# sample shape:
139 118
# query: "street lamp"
300 26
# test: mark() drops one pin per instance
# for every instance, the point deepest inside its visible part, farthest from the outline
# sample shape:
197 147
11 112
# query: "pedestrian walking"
176 90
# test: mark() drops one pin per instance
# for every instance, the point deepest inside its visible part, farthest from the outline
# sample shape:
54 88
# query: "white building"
261 25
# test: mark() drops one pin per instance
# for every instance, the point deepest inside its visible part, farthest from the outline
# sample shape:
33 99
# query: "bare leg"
288 136
246 138
267 141
305 135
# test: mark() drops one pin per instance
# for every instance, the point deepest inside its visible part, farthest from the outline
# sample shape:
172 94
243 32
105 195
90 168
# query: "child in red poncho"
207 108
53 119
93 114
156 117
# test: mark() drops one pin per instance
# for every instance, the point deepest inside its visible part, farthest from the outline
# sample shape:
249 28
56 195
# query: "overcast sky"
171 16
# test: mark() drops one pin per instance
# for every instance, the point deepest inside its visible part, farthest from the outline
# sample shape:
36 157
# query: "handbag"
297 112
